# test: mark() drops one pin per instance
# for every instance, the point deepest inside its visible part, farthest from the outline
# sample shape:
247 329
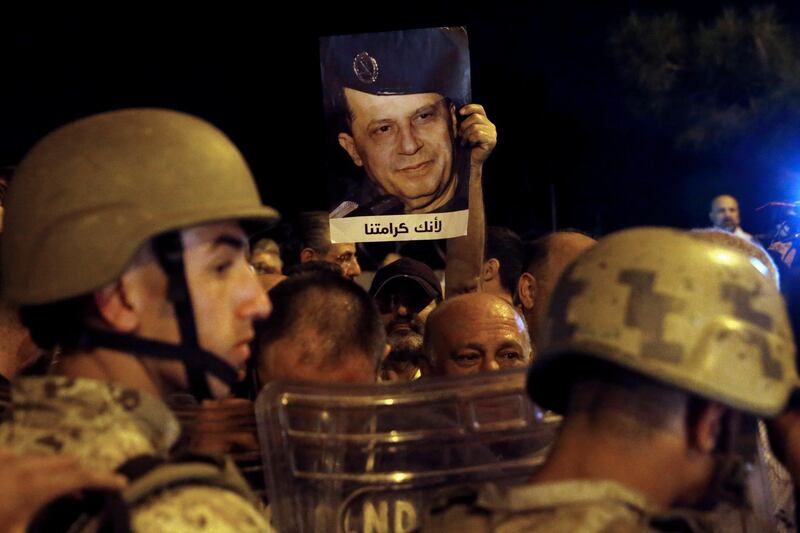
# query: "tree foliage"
713 83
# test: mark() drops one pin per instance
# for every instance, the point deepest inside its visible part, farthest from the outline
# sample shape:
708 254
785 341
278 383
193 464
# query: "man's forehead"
342 247
474 328
214 234
371 107
265 257
480 308
725 201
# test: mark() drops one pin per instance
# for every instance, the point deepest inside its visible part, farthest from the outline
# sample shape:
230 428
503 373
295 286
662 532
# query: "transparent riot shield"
370 458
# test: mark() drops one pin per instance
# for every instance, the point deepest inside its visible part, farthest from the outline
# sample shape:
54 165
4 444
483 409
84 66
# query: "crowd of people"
145 306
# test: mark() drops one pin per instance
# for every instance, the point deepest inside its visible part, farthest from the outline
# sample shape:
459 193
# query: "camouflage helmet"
688 313
90 193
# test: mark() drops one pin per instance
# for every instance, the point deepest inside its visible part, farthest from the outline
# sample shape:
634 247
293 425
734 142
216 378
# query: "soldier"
657 347
122 246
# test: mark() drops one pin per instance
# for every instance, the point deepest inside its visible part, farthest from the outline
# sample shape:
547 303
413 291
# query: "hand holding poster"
395 103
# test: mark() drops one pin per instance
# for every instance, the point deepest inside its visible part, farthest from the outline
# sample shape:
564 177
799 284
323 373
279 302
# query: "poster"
391 104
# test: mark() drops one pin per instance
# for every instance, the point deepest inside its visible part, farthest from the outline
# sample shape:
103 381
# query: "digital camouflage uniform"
563 506
91 194
105 425
694 315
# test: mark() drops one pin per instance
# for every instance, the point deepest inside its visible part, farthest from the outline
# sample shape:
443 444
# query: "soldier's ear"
454 119
706 426
347 142
115 308
307 254
491 269
527 287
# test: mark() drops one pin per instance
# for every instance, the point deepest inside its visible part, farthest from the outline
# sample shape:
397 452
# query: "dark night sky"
542 73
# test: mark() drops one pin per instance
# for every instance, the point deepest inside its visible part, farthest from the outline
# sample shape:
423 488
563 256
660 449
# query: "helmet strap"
202 359
168 249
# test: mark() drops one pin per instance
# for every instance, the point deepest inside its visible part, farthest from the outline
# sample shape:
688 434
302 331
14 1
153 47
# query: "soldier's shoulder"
532 509
456 509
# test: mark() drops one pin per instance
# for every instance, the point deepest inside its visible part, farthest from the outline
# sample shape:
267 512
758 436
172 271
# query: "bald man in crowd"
725 215
474 333
546 259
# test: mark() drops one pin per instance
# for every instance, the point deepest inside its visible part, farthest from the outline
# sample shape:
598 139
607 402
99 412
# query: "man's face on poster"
405 145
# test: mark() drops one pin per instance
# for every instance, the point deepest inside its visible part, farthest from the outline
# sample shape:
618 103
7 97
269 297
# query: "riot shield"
370 458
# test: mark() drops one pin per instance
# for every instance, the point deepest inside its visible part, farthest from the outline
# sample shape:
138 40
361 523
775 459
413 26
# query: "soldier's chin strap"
168 249
206 361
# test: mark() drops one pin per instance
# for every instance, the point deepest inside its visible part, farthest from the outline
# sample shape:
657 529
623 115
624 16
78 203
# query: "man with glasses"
310 240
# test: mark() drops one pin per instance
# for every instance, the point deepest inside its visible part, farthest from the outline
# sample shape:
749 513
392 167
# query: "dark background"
542 71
